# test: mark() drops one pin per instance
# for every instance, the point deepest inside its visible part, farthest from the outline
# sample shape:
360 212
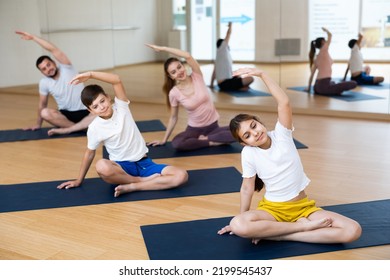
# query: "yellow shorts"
289 211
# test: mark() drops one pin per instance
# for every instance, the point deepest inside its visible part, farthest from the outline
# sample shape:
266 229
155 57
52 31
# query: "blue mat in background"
167 151
198 240
348 96
380 86
241 93
41 134
377 86
45 195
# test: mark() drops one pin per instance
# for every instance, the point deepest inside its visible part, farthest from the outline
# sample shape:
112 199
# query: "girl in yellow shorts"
270 159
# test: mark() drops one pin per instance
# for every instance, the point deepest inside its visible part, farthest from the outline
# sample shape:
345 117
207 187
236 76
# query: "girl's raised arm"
180 53
284 107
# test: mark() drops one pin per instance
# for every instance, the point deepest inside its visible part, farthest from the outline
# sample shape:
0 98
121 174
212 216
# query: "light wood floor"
347 161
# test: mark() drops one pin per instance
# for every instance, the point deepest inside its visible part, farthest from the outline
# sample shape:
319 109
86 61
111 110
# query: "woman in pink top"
323 63
191 92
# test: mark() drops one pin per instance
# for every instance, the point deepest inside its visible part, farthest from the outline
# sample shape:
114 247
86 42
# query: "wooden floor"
347 161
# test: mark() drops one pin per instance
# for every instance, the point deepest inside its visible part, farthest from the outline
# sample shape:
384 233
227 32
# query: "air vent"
287 47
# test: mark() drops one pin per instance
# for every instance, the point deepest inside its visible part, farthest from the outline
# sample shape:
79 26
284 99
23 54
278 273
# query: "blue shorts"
363 79
142 168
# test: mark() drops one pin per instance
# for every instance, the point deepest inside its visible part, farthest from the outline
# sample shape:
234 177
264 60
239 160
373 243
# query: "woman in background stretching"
190 91
323 63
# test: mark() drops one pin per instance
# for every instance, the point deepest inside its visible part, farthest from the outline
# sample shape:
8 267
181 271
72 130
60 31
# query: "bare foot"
211 143
121 189
255 240
125 188
316 224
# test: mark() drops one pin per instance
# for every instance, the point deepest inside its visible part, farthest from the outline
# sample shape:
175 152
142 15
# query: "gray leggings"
188 139
328 87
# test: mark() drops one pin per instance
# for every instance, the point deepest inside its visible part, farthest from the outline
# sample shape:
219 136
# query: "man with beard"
71 115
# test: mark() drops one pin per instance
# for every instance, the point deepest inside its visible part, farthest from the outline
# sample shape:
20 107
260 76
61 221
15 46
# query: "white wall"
282 19
294 22
73 26
151 20
17 58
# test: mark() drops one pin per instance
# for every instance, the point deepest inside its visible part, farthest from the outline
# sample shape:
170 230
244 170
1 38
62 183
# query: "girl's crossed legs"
319 227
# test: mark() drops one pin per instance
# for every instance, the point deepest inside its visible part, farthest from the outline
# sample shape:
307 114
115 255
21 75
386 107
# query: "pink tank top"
199 106
324 63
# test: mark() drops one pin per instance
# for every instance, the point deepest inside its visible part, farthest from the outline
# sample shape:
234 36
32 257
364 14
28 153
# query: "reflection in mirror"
279 42
367 17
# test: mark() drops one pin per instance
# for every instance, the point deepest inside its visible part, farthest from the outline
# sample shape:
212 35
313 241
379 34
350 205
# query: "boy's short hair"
42 58
352 43
90 93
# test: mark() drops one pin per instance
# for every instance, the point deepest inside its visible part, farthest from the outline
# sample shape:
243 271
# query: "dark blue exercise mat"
244 93
348 96
198 240
167 151
41 134
150 125
45 195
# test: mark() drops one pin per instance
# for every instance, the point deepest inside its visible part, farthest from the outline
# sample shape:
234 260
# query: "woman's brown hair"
234 127
317 43
169 83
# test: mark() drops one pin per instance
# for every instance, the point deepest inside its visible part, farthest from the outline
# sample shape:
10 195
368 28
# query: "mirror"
115 33
369 17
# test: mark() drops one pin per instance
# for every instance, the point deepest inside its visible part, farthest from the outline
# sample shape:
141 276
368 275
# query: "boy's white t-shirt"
356 60
223 63
119 134
279 167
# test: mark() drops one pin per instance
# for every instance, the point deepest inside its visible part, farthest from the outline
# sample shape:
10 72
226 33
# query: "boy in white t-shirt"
114 126
360 73
223 67
270 158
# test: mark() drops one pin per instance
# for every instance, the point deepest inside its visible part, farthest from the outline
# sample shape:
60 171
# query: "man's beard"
55 74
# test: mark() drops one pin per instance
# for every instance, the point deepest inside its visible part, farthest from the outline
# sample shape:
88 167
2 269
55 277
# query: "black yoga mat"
167 151
198 240
41 134
45 195
244 93
349 96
